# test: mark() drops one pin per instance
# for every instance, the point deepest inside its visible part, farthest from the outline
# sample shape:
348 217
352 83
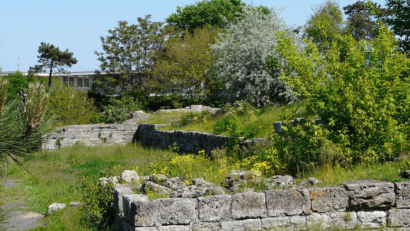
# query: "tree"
399 18
325 24
210 14
363 100
69 106
23 123
130 52
361 21
17 84
183 67
241 59
51 57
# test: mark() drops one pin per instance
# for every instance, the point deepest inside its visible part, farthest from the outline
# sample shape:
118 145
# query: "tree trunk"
51 72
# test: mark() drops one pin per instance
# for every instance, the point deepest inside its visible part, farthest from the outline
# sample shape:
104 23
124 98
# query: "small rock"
281 181
55 207
151 186
309 182
195 192
239 174
129 176
75 204
200 182
175 183
104 180
158 179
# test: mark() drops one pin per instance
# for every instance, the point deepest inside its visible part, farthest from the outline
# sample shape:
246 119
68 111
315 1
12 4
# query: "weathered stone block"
173 228
328 199
129 176
248 205
274 223
144 229
344 220
370 194
142 213
318 220
288 202
128 199
119 192
299 222
398 218
245 225
402 195
176 211
214 208
371 220
206 226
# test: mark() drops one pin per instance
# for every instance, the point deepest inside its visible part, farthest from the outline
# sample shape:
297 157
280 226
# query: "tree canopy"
207 13
361 21
325 24
51 58
129 54
399 21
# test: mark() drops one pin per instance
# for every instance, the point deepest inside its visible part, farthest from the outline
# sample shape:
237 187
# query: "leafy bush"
97 209
361 90
69 106
17 84
119 110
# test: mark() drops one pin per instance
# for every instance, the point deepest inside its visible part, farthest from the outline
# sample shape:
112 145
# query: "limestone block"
299 222
143 229
402 195
245 225
55 207
214 208
173 228
150 186
371 220
318 220
128 199
248 205
129 176
142 213
370 194
274 223
176 211
289 202
119 192
206 226
398 218
328 199
344 220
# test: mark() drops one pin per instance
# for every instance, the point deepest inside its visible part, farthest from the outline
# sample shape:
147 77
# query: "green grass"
260 124
56 177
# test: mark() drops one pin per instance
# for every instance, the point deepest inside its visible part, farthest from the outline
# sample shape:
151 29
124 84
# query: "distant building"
81 80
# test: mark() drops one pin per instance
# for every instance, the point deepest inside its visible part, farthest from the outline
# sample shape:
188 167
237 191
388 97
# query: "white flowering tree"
241 58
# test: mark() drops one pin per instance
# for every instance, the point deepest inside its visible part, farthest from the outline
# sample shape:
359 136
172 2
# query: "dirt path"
17 216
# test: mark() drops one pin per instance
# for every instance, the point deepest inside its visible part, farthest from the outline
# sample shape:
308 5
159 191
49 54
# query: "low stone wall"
188 142
366 204
90 135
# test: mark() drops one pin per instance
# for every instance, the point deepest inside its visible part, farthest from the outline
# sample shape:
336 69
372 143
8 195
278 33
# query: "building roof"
45 74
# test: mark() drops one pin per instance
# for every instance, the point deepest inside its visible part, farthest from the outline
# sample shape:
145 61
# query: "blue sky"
78 24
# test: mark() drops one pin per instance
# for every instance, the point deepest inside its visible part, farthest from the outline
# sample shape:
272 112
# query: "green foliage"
361 22
119 110
325 24
398 18
51 57
210 14
183 68
69 106
361 92
129 54
22 123
97 209
17 84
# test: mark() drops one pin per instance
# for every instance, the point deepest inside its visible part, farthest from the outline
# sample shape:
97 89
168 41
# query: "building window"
65 81
71 81
79 81
86 82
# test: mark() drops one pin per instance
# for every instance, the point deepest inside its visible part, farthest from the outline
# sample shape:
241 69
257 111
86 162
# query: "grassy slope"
258 125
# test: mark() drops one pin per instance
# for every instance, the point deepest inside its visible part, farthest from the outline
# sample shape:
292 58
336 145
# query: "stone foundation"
364 203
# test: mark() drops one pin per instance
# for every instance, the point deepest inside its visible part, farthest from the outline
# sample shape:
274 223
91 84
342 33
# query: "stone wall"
90 135
188 142
366 204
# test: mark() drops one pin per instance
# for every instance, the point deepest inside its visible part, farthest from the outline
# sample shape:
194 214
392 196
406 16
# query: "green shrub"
361 90
97 209
69 106
119 110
